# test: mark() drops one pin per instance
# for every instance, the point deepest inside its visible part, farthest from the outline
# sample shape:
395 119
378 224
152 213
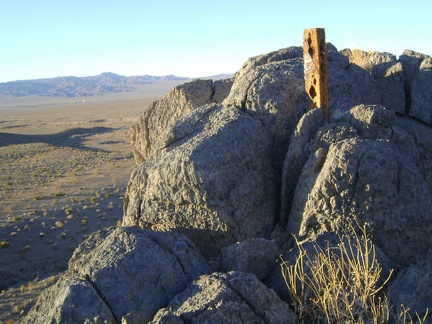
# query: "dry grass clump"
340 284
4 244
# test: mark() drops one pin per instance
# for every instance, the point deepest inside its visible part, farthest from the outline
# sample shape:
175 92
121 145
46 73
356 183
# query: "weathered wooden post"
315 69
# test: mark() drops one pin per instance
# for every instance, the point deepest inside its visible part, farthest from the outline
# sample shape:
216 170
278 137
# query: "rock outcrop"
122 272
257 256
348 84
404 84
421 92
270 88
181 185
359 169
211 179
221 174
297 155
234 297
389 80
367 60
71 300
179 102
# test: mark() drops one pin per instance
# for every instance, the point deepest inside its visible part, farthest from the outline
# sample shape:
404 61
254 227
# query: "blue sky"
50 38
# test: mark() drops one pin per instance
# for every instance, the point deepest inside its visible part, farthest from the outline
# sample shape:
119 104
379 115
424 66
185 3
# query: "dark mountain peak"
109 74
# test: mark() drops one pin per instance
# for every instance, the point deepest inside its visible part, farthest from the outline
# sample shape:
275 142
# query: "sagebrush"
341 284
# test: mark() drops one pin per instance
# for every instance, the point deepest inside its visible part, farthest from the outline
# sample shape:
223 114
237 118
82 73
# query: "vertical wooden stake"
315 69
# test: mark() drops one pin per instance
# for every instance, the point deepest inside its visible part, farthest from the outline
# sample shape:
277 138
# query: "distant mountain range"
71 86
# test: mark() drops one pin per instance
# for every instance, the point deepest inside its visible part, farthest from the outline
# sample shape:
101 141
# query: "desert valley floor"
63 173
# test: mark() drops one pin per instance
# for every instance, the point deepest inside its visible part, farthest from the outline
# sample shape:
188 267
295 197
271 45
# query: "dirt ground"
63 175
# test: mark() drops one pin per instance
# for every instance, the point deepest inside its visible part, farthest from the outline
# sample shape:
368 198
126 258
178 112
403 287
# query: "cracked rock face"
70 300
421 92
179 102
412 288
367 60
125 272
257 256
226 298
366 168
214 174
211 179
270 88
389 79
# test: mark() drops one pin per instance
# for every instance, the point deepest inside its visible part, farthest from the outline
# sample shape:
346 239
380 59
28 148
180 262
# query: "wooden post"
315 69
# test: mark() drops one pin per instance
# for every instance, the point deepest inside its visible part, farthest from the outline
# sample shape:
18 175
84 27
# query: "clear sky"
191 38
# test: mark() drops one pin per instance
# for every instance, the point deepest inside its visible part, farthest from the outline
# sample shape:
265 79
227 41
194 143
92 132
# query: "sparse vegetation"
38 188
7 209
4 244
405 316
59 224
341 284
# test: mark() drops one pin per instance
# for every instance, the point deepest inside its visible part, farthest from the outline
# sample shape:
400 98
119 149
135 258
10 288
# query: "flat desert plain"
64 169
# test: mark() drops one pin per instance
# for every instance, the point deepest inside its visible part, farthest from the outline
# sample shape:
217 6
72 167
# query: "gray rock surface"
271 89
367 59
178 102
360 169
257 256
166 193
411 62
212 172
221 89
348 84
73 299
405 85
417 84
421 92
211 179
226 298
296 157
412 288
371 121
389 79
124 272
417 142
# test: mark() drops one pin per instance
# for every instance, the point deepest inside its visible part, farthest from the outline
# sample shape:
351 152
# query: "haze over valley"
106 86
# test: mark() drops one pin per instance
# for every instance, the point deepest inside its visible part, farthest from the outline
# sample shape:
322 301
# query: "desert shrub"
4 244
338 284
404 316
342 284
